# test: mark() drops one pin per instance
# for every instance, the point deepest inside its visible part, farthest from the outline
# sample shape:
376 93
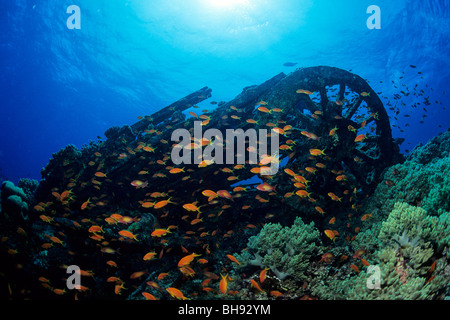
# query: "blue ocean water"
130 58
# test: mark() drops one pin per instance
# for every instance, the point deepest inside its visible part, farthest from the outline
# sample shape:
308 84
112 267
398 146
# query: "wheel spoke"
323 98
341 91
353 108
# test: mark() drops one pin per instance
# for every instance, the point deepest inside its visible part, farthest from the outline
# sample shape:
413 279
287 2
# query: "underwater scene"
224 150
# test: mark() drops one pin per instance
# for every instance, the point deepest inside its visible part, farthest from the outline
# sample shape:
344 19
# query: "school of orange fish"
138 226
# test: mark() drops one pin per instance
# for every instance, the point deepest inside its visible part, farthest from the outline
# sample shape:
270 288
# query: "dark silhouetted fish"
289 64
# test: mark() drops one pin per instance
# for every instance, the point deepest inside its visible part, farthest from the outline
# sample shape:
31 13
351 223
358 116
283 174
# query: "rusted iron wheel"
342 100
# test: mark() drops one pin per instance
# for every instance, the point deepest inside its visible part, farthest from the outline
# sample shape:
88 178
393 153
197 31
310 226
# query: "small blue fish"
289 64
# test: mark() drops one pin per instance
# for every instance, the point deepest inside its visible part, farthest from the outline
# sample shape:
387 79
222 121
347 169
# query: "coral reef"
422 180
14 201
29 187
285 250
341 219
412 261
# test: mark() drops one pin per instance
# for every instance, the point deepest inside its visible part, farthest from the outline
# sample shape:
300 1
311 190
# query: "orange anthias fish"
262 275
100 174
256 170
265 187
360 138
303 193
232 258
365 262
209 194
161 204
330 234
366 216
149 256
310 135
176 170
256 285
327 257
95 229
118 288
289 172
275 293
280 131
162 275
39 208
175 293
148 149
116 216
193 114
111 263
85 204
139 184
126 220
46 218
320 210
301 179
317 152
57 240
147 204
334 197
311 170
355 268
223 285
358 253
264 109
268 159
333 131
160 232
224 194
191 207
127 234
148 296
187 259
195 221
187 271
137 274
363 124
304 91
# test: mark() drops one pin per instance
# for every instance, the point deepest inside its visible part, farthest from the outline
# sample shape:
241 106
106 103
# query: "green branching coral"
405 219
409 243
438 198
423 180
440 231
286 250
